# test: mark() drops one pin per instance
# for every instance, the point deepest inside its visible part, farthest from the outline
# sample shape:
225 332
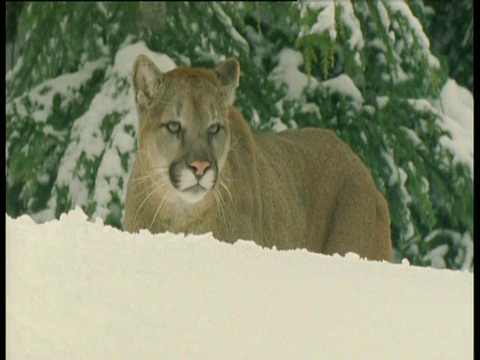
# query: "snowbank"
82 290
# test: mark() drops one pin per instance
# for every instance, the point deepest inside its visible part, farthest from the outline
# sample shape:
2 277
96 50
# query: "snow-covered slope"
82 290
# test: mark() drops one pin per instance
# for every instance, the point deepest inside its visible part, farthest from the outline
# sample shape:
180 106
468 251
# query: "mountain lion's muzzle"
193 179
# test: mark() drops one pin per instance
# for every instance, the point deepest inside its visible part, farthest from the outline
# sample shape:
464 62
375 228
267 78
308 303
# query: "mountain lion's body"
201 169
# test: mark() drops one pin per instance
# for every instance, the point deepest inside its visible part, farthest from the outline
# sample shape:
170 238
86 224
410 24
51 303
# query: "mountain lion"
201 169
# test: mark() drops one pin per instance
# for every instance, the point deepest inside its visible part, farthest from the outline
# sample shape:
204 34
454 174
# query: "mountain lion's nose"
200 167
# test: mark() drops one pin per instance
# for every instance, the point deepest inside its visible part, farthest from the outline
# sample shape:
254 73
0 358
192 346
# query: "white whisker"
223 185
157 188
220 204
162 204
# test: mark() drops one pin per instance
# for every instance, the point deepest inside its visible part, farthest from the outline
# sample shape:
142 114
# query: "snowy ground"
82 290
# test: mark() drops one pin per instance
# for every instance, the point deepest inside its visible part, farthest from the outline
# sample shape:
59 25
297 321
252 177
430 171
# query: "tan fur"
294 189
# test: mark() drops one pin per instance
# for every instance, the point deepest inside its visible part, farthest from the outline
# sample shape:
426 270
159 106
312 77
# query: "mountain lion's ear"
229 76
146 78
229 73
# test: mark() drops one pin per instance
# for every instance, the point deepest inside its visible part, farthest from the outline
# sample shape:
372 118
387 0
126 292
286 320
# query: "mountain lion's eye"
213 129
174 127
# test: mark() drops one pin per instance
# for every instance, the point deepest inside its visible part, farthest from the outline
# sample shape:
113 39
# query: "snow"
417 29
81 290
382 101
399 176
229 27
126 56
277 125
326 22
42 95
466 242
437 255
287 72
344 84
457 103
455 115
348 18
415 140
102 8
384 18
256 118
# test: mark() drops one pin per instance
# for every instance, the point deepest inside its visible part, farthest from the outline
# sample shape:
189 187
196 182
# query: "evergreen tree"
456 46
362 69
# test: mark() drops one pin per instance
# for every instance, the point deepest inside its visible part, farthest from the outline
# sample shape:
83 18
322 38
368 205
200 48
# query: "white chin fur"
192 197
191 190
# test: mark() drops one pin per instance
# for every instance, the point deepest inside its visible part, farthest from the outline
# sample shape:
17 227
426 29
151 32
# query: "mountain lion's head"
183 125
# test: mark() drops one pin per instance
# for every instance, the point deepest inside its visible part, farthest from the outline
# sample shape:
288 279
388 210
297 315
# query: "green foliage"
455 47
38 132
362 69
61 37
